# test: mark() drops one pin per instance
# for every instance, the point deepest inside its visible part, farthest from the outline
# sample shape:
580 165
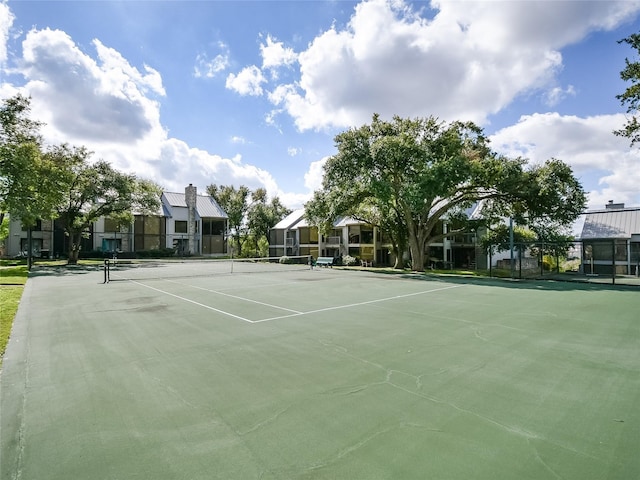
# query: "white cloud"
556 94
239 140
247 82
83 100
210 68
293 151
313 177
604 162
112 108
294 201
275 54
6 21
469 61
183 165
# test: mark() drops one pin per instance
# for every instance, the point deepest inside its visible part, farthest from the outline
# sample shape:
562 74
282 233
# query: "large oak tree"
421 171
631 96
95 190
27 185
60 182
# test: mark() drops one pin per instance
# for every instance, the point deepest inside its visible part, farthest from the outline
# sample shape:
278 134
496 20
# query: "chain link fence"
595 261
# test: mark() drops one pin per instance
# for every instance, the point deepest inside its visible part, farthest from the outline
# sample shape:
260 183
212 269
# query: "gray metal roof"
206 206
289 221
175 199
611 224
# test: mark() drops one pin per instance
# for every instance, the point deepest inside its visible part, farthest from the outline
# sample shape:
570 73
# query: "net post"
106 270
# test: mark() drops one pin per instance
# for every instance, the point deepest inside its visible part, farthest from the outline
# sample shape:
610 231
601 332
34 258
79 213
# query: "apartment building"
294 236
186 223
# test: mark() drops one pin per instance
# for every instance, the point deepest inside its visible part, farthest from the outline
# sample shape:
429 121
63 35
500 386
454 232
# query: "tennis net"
200 267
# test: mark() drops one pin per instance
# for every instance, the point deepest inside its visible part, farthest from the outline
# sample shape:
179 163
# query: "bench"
325 261
366 263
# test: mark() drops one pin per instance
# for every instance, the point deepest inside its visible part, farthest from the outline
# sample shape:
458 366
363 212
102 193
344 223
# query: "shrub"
349 261
156 253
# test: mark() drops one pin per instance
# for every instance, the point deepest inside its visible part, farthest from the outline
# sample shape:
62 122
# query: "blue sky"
254 92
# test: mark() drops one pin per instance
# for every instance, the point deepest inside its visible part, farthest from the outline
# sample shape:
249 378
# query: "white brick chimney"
191 198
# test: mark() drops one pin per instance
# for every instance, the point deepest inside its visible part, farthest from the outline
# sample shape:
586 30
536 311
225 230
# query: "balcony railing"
334 241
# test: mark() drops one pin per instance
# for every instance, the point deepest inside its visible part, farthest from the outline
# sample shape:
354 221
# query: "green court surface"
320 374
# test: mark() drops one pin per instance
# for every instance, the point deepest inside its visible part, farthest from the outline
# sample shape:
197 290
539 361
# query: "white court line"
237 297
194 302
297 314
378 300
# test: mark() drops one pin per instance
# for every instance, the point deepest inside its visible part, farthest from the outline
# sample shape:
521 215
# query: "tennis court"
320 373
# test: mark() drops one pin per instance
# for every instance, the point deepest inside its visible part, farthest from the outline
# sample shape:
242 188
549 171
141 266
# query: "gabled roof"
345 221
290 220
206 206
175 199
611 223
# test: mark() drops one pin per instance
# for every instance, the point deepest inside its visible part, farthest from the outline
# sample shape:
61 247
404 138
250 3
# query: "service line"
351 305
193 301
295 312
217 292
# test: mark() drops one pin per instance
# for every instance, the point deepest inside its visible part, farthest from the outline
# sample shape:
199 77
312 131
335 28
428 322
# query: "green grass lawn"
12 280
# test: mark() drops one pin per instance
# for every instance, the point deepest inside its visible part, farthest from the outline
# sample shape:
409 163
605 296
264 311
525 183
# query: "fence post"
541 259
490 261
520 262
512 262
613 263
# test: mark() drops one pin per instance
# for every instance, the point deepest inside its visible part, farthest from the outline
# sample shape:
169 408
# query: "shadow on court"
553 283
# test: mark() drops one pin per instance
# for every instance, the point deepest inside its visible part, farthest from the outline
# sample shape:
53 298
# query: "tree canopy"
27 186
249 213
95 190
60 181
417 172
631 96
263 214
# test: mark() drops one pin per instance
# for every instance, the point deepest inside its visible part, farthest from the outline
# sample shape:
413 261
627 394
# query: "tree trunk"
398 249
416 244
74 248
416 248
399 261
29 248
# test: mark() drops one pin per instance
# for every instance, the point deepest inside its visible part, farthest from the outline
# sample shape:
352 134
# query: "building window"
150 232
276 237
354 234
212 227
181 226
367 234
308 235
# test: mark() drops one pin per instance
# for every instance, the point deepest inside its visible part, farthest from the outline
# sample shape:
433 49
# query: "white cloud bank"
604 163
467 62
113 108
6 20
